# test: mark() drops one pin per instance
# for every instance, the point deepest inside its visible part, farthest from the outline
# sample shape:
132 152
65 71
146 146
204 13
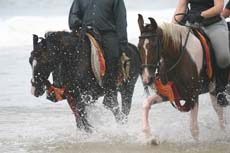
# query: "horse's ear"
141 22
35 41
43 41
153 23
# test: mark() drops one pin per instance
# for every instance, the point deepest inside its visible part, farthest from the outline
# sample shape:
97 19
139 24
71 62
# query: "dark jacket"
201 5
103 15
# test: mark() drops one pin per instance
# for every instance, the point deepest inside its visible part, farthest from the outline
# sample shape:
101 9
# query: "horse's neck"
169 53
169 56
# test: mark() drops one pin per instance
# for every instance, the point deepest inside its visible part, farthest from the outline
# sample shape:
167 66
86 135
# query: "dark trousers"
110 45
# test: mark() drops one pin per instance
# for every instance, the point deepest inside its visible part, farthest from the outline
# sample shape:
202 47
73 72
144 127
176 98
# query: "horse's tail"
134 53
134 49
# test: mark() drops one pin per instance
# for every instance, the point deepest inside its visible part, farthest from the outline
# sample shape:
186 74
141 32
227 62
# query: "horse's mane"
172 34
57 34
63 40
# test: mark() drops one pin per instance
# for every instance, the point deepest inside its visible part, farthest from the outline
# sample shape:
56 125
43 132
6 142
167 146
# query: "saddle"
97 59
98 62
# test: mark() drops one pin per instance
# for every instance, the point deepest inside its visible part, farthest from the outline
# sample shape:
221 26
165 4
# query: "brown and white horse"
176 55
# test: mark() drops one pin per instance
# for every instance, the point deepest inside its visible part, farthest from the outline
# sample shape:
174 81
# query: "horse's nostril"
151 78
145 81
37 91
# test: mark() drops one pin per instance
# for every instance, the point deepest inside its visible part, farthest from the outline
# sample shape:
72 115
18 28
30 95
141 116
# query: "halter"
155 65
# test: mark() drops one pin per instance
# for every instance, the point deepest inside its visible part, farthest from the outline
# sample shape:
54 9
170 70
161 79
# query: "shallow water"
35 125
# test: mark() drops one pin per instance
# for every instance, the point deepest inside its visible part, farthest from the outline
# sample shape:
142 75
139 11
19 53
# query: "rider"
108 17
206 13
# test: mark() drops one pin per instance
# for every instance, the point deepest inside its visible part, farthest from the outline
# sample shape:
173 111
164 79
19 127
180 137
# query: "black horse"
69 53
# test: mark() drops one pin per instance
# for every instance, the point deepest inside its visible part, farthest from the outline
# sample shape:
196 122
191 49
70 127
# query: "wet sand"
130 148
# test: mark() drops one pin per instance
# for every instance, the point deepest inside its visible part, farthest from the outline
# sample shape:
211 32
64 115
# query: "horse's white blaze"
145 74
34 63
146 42
32 90
195 50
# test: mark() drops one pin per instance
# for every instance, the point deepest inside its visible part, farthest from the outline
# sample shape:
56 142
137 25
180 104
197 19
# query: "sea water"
36 125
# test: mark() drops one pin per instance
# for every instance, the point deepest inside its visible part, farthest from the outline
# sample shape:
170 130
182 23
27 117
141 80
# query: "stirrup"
125 66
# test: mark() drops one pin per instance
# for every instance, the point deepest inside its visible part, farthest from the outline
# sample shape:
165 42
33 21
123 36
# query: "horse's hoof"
88 130
222 100
153 141
121 118
84 125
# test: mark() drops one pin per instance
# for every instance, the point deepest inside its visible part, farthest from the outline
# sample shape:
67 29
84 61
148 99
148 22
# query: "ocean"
36 125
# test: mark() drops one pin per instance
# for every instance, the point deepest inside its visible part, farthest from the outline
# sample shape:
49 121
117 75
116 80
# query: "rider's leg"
111 51
218 34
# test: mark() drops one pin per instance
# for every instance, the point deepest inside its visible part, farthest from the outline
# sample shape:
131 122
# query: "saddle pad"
207 54
97 59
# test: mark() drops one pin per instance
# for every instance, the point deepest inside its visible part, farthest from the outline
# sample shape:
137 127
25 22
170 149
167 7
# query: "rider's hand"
195 17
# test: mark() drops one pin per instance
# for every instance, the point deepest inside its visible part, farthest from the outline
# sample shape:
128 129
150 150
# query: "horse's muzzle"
148 81
37 91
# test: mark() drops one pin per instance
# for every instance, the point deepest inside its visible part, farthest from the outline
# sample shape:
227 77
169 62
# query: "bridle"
156 64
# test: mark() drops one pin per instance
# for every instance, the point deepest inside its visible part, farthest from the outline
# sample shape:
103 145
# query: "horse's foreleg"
78 110
110 102
145 116
193 122
219 111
